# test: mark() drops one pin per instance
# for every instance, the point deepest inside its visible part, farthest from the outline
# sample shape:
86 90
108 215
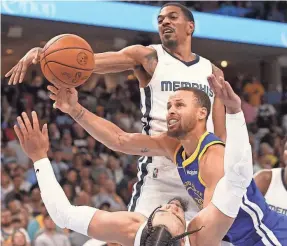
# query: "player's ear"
190 28
202 113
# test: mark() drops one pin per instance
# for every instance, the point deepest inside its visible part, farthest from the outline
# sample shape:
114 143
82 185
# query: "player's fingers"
10 72
23 72
35 121
36 58
224 91
53 97
229 89
18 71
27 122
13 75
22 126
53 89
45 131
18 133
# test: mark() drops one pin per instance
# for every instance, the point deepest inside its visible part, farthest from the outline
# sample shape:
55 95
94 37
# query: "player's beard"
177 133
169 43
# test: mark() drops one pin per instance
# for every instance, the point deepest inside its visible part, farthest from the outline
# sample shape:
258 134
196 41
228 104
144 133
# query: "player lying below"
166 225
199 155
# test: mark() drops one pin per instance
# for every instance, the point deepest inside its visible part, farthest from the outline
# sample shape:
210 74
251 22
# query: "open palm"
225 93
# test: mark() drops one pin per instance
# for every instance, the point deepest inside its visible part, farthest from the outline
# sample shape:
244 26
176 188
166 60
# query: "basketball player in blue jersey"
161 69
166 225
197 153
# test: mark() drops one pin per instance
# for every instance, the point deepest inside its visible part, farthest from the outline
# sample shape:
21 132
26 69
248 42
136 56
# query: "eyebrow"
170 13
184 224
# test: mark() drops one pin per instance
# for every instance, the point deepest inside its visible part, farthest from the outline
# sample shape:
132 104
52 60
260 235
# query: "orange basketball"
67 60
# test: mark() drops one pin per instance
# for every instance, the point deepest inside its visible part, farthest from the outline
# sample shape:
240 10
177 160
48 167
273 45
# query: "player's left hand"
225 93
34 142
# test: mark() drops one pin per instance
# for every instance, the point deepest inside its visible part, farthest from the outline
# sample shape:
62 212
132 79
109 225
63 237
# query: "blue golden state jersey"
255 224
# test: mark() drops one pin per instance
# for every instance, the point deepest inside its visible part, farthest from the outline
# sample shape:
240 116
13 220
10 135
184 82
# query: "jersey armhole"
175 153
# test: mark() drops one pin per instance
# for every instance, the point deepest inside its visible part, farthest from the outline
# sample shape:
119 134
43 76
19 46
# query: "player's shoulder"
264 175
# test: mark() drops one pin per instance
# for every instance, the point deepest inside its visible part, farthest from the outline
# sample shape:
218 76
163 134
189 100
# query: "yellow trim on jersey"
175 154
190 159
208 145
201 180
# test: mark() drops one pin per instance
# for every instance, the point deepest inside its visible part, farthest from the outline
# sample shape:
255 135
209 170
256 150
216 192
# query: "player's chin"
173 132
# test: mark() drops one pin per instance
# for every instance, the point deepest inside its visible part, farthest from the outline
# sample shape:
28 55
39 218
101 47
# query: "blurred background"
248 40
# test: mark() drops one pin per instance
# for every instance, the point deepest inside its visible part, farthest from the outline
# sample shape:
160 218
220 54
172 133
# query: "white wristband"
65 215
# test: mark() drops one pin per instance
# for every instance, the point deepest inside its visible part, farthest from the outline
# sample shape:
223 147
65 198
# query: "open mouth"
167 30
172 122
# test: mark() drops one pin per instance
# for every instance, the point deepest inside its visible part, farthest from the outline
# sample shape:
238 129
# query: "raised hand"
225 93
34 142
65 98
18 72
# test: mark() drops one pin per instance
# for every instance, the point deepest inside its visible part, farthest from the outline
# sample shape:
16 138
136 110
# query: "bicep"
140 144
125 59
214 225
262 181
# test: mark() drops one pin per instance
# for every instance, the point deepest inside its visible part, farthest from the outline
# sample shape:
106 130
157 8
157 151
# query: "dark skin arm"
263 180
107 62
218 110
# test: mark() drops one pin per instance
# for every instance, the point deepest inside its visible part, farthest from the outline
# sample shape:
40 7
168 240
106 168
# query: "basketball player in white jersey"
161 69
273 185
166 225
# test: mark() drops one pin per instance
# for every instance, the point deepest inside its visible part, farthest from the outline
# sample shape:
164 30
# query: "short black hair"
202 98
183 203
187 13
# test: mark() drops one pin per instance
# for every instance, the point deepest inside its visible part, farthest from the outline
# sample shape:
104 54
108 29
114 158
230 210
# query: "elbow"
121 143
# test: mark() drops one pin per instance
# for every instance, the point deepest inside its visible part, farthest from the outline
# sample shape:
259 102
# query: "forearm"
116 139
215 226
218 117
57 204
101 129
237 135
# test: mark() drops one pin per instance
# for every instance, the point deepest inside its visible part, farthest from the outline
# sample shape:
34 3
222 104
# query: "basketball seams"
46 64
52 74
67 49
62 36
79 68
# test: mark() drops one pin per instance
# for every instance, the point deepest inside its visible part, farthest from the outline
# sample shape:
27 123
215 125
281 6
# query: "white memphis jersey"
276 195
169 75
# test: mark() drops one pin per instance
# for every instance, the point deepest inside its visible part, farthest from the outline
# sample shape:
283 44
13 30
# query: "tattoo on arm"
151 60
80 115
144 150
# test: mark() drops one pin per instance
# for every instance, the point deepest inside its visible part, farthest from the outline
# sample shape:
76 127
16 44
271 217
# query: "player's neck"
182 52
191 140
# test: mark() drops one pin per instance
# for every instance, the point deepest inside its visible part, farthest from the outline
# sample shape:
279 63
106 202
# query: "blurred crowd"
269 10
89 173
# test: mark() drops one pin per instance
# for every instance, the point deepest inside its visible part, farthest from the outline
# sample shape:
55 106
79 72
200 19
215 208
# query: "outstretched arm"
116 227
108 133
107 62
218 110
218 216
116 139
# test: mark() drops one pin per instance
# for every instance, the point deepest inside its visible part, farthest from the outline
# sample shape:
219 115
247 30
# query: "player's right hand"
18 72
65 99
